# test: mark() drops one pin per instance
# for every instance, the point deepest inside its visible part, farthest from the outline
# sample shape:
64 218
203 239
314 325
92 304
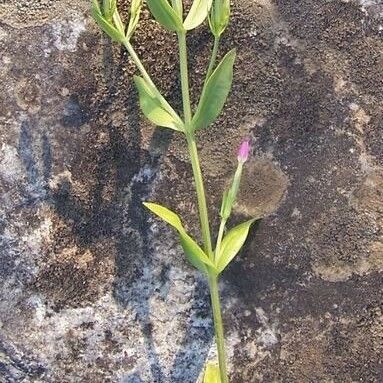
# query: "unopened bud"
219 16
243 151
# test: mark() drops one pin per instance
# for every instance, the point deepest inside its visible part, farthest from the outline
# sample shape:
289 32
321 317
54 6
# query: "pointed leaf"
118 22
212 374
222 211
167 215
178 6
165 15
107 27
193 251
197 14
152 107
215 93
231 244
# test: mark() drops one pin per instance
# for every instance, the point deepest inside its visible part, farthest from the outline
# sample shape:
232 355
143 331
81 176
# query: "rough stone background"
93 289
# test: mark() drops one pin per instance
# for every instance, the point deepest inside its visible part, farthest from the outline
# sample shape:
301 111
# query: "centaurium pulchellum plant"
210 260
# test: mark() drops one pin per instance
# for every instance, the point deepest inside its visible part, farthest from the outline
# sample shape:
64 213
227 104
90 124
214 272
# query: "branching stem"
199 184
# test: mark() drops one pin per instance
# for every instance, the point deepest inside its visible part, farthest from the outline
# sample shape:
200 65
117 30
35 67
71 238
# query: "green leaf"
215 93
212 374
177 5
165 15
109 7
106 26
195 255
135 10
231 244
230 196
118 22
165 214
197 14
223 209
154 109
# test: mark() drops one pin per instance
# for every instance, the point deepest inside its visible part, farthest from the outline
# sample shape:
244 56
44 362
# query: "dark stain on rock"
47 159
65 284
75 115
25 151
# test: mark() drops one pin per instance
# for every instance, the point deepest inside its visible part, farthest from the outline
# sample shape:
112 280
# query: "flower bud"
243 151
230 196
219 16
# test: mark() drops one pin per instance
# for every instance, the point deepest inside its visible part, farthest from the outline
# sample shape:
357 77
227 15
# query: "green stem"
213 57
138 63
185 79
202 206
218 327
220 236
203 213
146 76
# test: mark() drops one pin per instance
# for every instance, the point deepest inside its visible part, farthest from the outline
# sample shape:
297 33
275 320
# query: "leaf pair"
213 98
171 18
193 251
230 246
108 18
105 21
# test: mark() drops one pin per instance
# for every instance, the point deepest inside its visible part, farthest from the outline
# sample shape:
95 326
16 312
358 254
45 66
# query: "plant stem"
185 79
220 235
146 76
213 57
204 217
138 63
218 327
202 206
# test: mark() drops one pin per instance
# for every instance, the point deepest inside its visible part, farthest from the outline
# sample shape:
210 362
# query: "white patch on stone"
6 60
34 240
368 3
144 174
267 334
67 32
296 213
3 34
38 305
11 169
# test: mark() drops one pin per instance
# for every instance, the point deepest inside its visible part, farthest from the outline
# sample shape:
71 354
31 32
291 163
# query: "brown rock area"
94 289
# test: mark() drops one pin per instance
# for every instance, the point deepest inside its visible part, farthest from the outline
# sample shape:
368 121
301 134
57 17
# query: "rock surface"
93 289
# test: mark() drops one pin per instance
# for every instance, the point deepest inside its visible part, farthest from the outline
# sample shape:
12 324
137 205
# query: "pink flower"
243 152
